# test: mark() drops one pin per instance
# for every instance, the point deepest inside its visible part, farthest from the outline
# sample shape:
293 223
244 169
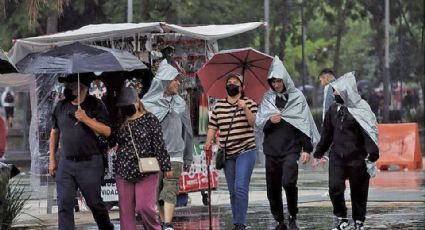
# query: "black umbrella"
5 65
79 58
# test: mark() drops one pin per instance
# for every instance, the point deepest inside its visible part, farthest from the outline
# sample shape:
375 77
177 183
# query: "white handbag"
146 164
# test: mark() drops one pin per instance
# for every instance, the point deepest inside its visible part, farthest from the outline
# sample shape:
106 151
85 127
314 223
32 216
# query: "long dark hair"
122 119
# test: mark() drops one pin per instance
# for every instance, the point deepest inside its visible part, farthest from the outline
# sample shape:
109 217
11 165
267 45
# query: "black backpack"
9 98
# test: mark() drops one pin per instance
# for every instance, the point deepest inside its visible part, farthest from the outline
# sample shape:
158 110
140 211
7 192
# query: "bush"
13 204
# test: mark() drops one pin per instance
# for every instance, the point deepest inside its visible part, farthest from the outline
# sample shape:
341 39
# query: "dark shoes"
358 225
292 223
281 226
342 224
239 227
167 226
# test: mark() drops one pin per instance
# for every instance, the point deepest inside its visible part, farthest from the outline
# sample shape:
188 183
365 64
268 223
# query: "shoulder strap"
132 140
230 126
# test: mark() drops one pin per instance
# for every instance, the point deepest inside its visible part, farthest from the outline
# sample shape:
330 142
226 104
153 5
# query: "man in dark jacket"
350 128
287 125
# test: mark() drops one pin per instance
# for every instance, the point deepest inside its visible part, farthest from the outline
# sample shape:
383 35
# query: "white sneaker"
343 224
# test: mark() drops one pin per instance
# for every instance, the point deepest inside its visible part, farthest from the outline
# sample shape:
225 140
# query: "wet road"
396 201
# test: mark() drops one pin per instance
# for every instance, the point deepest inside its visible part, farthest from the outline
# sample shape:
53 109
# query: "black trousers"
87 176
359 186
282 172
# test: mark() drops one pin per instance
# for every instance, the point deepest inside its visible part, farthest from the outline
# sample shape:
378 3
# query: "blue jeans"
238 175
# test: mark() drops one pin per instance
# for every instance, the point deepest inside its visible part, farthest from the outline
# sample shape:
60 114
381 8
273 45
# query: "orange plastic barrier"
2 137
399 145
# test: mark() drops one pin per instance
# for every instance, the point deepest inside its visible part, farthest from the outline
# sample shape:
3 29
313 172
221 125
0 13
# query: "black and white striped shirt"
241 136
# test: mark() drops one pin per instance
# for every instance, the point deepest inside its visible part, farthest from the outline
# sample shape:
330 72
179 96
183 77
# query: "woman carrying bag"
138 138
234 118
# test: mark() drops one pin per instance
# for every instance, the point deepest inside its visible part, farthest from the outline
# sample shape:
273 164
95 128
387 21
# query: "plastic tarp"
215 32
106 32
19 82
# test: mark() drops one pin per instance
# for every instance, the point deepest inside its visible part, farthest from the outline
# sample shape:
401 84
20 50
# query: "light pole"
267 24
387 96
129 11
303 72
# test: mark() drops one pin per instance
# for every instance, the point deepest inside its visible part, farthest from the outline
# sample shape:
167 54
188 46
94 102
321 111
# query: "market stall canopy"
106 32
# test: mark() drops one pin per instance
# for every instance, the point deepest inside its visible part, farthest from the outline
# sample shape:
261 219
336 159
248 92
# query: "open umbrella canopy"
250 63
79 58
5 65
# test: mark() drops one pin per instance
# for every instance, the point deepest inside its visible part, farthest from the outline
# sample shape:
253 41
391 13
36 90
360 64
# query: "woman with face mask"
137 135
234 118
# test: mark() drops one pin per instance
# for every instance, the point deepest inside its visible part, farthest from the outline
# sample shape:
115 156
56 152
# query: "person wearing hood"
234 117
77 121
286 128
351 134
163 101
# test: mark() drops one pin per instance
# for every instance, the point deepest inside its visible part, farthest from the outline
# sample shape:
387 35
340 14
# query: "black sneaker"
167 226
358 225
292 223
239 227
342 224
281 226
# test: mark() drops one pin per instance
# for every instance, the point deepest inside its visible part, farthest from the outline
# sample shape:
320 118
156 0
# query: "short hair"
326 71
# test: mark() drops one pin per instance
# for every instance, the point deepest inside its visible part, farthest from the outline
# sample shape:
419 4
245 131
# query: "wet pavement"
396 201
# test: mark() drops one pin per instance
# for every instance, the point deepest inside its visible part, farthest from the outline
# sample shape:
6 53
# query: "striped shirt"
241 136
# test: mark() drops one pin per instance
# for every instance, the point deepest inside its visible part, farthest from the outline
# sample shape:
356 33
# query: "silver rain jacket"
296 111
358 108
154 99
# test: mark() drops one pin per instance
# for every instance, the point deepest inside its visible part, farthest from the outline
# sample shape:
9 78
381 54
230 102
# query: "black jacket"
283 138
349 143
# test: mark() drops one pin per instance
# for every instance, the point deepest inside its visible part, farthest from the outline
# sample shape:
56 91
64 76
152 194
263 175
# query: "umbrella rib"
259 67
255 75
240 60
224 63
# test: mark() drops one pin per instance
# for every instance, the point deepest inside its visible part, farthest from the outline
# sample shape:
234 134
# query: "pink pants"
138 197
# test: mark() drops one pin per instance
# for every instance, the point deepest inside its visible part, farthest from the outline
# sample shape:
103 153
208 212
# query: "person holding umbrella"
350 132
234 117
76 122
285 123
163 101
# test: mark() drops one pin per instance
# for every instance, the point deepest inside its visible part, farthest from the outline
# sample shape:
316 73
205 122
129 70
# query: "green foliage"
359 24
13 205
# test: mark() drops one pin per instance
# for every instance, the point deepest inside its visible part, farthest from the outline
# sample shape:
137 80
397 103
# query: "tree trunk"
52 23
146 9
340 29
284 21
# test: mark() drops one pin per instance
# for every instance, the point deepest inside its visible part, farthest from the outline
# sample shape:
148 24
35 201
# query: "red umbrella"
250 63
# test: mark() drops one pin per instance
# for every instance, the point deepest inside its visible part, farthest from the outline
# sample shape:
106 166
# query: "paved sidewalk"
396 201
